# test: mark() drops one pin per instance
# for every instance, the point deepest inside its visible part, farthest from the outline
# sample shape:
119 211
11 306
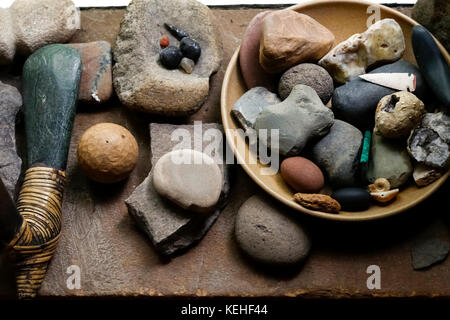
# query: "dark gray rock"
389 159
435 16
247 108
170 227
427 252
10 163
299 118
352 199
430 143
268 234
356 101
338 154
310 75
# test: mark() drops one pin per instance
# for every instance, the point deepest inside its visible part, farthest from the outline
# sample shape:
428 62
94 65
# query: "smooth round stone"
310 75
302 175
337 154
356 101
268 234
252 72
189 178
352 199
190 48
171 57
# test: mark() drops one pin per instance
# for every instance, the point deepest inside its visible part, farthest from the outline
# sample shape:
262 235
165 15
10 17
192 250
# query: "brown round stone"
302 175
107 152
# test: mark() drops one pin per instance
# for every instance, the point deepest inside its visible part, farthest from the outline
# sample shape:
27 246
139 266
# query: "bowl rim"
291 203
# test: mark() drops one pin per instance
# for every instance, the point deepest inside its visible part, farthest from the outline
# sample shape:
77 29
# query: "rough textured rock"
252 72
270 235
31 24
141 82
10 163
397 114
170 227
310 75
289 38
299 118
352 199
338 154
302 175
107 152
247 108
319 202
189 178
381 42
427 252
435 16
390 160
430 143
424 175
355 102
96 77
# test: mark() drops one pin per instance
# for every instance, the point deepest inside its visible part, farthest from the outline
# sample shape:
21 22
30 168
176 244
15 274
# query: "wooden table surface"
116 259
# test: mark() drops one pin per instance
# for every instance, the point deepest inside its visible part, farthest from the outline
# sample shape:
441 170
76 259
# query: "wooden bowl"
343 18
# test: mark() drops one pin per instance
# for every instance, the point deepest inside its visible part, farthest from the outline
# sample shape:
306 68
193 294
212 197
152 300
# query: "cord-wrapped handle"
39 204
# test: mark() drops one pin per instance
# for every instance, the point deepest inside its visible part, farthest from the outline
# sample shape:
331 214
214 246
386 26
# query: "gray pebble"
310 75
187 65
338 154
10 163
299 119
269 235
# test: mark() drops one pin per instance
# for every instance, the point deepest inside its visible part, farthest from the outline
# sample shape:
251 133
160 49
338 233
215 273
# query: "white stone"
189 178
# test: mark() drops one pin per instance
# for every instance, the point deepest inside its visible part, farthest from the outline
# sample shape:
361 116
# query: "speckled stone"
10 163
168 226
310 75
268 233
140 81
389 159
96 76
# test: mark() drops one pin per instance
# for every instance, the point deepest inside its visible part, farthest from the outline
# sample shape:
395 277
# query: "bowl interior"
343 18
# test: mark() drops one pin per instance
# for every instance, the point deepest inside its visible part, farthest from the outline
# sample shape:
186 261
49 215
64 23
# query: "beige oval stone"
189 178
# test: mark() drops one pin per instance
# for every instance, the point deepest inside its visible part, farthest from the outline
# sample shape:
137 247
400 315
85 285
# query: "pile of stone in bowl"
335 124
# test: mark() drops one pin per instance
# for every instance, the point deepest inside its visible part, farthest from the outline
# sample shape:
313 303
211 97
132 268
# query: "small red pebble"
164 42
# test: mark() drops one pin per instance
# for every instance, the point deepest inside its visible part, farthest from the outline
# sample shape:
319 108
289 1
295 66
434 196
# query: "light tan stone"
382 42
289 38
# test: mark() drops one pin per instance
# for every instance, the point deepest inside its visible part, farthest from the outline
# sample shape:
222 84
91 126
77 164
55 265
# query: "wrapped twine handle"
39 204
51 78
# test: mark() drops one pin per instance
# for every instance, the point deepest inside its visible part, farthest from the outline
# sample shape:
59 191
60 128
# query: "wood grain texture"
116 259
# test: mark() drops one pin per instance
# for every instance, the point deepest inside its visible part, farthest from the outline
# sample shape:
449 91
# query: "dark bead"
352 199
190 48
170 57
177 33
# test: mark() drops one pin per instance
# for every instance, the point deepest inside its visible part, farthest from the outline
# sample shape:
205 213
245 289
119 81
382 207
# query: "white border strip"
123 3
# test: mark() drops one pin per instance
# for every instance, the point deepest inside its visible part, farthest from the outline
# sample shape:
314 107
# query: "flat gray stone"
389 159
300 118
141 82
270 235
170 227
427 252
338 154
250 104
10 163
